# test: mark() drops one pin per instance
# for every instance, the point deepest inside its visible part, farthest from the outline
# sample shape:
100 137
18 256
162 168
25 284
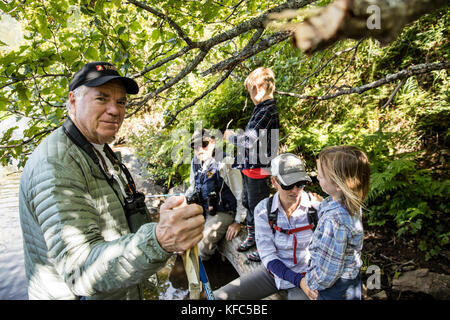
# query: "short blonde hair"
261 76
348 168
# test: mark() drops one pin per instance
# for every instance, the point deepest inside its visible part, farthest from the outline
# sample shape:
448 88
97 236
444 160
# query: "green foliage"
167 157
407 190
62 35
413 200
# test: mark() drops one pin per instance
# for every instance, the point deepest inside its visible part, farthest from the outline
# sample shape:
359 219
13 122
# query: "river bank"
12 274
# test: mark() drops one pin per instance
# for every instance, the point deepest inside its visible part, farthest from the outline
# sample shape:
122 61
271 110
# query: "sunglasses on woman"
298 184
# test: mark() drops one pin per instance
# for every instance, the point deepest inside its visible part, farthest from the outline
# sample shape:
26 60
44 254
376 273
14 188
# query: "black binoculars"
136 211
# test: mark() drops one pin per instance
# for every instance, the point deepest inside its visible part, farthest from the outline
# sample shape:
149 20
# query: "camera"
208 207
136 211
211 203
194 198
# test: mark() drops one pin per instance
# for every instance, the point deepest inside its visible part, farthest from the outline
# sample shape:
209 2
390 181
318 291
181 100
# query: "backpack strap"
272 215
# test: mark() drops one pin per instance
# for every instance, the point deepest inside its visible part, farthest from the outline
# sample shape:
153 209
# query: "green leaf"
91 54
155 34
99 6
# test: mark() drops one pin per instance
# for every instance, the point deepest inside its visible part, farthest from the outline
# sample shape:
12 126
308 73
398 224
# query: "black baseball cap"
97 73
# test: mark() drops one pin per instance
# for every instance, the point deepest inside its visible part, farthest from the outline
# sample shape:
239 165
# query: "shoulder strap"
272 215
77 137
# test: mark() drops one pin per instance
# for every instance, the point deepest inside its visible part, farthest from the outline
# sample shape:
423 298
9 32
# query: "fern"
413 200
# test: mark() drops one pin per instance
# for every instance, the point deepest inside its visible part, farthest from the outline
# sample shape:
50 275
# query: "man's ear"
72 99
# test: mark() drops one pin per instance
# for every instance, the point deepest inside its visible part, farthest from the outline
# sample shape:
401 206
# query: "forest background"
191 58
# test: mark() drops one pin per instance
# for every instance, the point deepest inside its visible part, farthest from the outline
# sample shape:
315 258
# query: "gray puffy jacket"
76 238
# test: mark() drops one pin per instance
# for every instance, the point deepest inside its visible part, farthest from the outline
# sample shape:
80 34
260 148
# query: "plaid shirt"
335 247
264 118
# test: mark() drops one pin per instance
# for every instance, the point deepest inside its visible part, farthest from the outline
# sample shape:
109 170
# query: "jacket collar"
71 130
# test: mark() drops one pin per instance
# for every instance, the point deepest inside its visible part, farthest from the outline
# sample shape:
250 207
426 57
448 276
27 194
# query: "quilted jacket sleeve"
74 230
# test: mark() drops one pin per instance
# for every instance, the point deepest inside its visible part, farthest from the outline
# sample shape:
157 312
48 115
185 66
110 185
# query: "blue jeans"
343 289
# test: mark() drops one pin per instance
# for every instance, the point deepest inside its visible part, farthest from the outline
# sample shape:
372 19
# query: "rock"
421 280
382 295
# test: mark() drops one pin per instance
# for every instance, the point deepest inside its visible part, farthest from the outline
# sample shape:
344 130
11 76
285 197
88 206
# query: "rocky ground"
405 274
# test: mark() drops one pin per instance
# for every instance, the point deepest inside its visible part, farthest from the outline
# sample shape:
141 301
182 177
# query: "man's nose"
113 108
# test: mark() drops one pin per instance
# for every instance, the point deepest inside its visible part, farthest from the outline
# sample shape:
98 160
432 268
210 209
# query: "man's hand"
232 231
181 228
312 294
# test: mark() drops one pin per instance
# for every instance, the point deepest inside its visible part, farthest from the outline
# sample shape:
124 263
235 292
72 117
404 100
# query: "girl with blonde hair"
334 269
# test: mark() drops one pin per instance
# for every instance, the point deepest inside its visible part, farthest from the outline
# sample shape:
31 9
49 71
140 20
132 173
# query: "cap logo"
99 67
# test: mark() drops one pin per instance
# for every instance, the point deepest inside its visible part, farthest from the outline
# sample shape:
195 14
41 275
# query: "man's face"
205 150
100 112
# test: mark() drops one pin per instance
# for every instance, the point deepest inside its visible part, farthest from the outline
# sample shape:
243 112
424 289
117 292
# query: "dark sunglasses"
205 143
299 184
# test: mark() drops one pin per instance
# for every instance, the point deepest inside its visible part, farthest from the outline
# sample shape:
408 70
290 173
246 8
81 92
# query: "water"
13 285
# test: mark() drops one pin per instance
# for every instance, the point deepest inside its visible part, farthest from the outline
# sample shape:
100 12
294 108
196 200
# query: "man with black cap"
85 226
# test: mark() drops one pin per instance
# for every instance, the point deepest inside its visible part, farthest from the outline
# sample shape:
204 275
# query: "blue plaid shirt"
335 247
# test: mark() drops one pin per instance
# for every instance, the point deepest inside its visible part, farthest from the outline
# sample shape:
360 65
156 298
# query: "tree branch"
12 146
248 52
214 87
255 23
401 75
15 80
188 69
400 83
354 19
172 23
205 46
162 62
